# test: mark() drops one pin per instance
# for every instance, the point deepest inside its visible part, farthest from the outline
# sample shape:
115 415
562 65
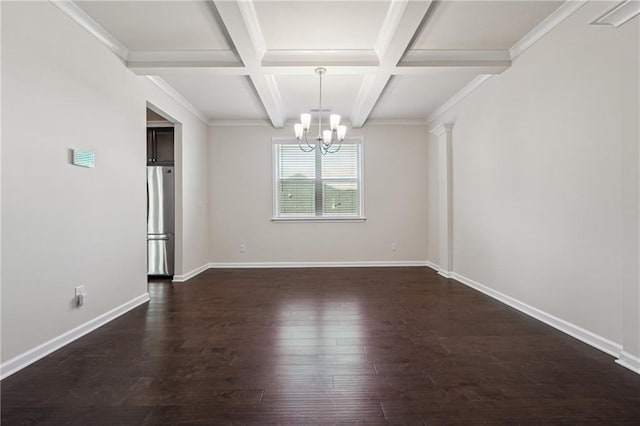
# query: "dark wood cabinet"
160 146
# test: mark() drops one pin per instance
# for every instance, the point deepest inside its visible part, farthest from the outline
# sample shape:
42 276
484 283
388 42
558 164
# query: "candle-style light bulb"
305 119
334 121
326 137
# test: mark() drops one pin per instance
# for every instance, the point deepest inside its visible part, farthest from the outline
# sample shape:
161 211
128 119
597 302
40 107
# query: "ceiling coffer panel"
417 96
219 97
321 25
485 25
300 94
160 25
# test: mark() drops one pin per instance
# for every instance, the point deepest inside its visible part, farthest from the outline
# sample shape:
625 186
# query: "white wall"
191 164
545 177
62 225
241 197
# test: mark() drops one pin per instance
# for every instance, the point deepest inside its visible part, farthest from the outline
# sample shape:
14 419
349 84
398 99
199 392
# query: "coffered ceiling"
252 61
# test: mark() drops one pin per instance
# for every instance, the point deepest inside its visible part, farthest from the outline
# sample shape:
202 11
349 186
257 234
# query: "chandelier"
328 140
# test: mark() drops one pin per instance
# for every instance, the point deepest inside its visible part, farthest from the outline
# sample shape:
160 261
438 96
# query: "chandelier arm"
339 144
311 147
303 149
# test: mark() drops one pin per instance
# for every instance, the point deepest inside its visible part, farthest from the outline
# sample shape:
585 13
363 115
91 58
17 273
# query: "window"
309 185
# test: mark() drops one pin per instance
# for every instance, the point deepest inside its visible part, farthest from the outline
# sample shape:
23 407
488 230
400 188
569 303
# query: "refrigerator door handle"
163 237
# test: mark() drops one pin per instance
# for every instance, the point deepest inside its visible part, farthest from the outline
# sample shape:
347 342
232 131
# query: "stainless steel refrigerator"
160 220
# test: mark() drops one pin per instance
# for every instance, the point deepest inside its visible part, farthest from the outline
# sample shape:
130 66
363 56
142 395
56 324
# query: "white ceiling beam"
197 57
316 58
402 20
240 19
303 62
218 62
308 70
459 58
428 70
422 61
187 69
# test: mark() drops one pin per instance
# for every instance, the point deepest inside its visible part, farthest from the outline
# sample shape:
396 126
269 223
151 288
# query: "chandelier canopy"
328 140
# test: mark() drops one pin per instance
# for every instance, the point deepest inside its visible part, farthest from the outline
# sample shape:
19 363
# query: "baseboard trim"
184 277
357 264
629 361
598 342
27 358
433 266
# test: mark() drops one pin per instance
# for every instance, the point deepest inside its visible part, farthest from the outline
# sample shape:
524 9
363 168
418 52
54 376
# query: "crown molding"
441 129
173 93
85 21
556 18
460 95
618 14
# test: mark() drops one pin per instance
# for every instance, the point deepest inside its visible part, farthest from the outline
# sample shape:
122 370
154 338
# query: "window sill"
334 219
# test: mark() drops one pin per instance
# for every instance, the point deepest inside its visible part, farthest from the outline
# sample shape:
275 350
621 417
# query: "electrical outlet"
394 247
243 248
80 295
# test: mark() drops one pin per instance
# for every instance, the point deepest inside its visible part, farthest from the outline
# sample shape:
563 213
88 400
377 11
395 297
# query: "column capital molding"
441 129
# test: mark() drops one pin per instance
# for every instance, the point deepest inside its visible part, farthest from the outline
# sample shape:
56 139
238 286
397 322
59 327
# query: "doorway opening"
161 199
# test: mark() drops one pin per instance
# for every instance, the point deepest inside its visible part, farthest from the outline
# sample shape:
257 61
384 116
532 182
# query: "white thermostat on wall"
84 158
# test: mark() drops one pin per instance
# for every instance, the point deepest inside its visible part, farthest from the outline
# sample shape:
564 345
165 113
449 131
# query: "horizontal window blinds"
309 184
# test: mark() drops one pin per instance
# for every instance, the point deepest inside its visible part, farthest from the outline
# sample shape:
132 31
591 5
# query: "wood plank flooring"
322 346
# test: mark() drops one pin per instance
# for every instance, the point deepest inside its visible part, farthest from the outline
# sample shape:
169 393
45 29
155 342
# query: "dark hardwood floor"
322 346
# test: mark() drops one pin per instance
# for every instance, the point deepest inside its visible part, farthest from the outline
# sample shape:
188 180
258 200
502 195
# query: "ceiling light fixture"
328 141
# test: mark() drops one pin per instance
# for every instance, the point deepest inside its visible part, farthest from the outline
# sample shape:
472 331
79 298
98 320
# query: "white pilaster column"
445 222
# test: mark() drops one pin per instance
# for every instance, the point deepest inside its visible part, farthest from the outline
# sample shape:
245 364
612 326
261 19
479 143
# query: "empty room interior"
320 212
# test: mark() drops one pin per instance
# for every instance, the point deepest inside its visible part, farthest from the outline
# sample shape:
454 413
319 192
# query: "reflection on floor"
385 345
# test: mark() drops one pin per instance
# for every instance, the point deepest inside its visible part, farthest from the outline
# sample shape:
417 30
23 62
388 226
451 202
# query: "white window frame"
274 181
